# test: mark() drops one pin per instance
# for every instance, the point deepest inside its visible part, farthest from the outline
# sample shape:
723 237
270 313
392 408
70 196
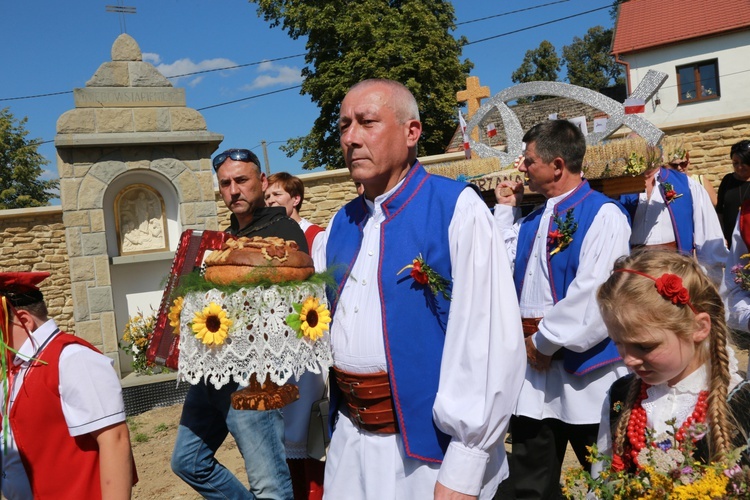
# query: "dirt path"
153 434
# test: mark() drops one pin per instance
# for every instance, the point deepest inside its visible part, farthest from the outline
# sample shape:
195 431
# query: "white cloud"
195 81
275 75
185 66
152 58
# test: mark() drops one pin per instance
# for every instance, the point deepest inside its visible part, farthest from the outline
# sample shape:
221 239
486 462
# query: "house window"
698 81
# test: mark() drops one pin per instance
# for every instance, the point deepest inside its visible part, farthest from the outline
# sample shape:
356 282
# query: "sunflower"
314 317
174 315
211 325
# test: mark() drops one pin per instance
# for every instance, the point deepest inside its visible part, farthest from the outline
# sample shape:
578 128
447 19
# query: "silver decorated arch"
616 111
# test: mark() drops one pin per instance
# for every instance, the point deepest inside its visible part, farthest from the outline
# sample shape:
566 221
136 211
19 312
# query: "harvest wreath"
257 316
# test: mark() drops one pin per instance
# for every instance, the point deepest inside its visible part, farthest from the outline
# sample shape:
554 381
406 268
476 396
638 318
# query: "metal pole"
265 157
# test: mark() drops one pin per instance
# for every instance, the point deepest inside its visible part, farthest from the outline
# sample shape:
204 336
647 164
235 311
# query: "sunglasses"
243 155
681 164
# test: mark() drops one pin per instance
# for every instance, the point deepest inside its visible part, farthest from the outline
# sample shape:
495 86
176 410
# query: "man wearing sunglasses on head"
207 415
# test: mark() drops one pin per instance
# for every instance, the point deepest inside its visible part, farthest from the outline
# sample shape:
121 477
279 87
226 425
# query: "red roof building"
645 24
702 46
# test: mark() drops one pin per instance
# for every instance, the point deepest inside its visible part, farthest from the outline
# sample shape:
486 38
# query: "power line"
256 63
536 25
248 98
35 96
511 12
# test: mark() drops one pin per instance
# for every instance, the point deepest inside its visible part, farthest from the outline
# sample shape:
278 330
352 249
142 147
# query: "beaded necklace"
636 431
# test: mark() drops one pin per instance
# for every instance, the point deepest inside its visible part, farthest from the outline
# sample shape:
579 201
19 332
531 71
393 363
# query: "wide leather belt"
369 401
530 326
672 246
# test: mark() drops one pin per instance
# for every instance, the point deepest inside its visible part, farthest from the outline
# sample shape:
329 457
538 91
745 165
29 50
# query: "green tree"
539 65
589 62
21 166
404 40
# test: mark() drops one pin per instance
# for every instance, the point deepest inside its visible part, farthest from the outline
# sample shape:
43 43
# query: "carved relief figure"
139 210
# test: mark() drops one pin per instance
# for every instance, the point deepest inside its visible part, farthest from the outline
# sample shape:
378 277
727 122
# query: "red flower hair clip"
668 285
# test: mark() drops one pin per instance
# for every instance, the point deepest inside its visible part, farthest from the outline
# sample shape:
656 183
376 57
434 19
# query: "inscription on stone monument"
115 97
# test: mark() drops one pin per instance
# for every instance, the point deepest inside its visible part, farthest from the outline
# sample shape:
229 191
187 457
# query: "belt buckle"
357 417
352 386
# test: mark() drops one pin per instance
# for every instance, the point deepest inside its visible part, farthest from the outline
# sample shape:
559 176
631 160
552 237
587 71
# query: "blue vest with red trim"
562 267
680 209
417 216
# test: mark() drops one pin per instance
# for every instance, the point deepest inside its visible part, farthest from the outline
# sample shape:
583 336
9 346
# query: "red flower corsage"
563 235
669 193
425 275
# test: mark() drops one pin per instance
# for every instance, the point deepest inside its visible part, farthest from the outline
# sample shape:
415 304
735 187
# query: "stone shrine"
135 171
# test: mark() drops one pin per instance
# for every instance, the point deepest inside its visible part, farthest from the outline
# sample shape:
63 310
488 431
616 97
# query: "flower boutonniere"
425 275
742 272
563 235
669 193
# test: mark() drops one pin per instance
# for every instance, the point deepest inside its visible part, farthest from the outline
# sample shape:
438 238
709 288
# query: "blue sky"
50 46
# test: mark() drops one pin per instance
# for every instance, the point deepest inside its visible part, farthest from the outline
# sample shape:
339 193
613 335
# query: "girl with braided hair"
667 320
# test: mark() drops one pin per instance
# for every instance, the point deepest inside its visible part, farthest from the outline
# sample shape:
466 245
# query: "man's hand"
537 360
445 493
509 193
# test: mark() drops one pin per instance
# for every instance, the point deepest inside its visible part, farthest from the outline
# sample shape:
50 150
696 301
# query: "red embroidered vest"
58 466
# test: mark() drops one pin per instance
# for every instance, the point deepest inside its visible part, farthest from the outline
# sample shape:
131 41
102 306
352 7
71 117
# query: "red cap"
20 288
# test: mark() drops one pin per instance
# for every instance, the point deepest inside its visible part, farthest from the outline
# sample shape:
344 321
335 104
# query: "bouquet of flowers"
667 470
742 273
636 163
135 340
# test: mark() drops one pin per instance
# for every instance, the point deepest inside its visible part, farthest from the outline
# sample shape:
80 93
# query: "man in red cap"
67 437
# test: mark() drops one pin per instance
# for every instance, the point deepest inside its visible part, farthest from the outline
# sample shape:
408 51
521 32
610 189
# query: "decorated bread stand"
254 328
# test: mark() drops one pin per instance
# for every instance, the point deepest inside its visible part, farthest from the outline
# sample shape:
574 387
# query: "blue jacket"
417 217
585 203
680 209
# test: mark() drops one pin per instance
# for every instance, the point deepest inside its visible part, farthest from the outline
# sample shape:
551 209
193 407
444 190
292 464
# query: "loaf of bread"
252 260
266 398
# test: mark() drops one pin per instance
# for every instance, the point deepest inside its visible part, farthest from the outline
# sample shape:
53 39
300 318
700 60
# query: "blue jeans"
207 417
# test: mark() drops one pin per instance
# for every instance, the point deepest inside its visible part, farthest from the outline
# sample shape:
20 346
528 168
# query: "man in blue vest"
428 356
675 212
562 252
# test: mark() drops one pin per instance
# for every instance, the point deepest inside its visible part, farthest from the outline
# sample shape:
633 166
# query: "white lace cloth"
259 339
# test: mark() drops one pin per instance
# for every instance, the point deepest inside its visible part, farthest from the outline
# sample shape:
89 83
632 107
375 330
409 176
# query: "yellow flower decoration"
174 314
311 319
211 325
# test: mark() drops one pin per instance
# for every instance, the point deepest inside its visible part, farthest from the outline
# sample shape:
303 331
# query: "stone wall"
33 239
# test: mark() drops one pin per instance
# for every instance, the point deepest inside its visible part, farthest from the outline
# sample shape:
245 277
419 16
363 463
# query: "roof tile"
643 24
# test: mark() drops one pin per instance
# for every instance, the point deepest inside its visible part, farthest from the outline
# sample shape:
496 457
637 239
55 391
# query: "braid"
621 431
617 297
718 408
